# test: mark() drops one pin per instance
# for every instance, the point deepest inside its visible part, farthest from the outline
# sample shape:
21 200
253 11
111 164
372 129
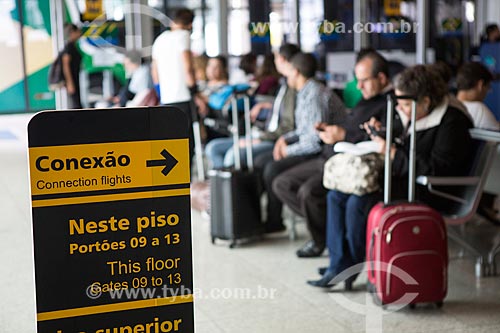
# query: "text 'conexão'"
46 164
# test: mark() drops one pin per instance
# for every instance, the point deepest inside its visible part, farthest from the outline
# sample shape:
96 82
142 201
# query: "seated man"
444 71
491 34
315 103
278 121
138 81
473 83
301 187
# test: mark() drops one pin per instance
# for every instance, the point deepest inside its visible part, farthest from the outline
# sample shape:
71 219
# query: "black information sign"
111 221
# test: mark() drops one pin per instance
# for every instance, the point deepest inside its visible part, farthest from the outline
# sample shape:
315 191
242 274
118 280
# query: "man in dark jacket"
71 60
301 187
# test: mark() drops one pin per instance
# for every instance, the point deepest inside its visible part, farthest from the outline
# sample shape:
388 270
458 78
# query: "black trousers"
301 188
270 170
74 100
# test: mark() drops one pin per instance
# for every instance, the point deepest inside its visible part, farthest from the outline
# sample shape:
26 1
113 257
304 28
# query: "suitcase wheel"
412 306
439 304
213 240
377 300
232 245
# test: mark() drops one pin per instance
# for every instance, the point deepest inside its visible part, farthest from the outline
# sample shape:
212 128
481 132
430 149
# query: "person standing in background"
172 67
137 85
71 60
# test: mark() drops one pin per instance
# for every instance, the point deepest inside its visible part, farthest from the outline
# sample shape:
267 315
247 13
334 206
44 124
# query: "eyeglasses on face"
363 81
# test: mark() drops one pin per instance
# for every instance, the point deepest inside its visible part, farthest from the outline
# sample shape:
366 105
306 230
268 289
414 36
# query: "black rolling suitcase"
234 192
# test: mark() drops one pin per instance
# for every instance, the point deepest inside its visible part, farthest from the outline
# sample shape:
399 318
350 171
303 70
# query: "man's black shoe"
273 227
310 250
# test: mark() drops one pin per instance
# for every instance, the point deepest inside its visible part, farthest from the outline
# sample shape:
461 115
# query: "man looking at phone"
301 187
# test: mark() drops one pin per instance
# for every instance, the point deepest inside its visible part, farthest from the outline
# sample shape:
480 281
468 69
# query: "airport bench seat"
486 146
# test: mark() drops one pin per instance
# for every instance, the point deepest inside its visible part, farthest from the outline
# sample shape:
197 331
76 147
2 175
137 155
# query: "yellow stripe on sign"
108 166
109 197
124 306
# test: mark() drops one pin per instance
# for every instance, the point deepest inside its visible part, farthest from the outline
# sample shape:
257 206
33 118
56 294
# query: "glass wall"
283 25
338 13
392 24
311 17
210 44
238 28
452 31
285 28
26 46
12 97
38 53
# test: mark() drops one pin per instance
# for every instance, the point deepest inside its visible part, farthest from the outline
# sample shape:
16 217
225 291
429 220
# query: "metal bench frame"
487 146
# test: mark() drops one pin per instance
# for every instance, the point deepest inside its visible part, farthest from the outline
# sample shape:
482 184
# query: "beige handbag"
354 174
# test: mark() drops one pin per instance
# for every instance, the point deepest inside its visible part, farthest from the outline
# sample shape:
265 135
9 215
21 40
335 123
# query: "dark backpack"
56 75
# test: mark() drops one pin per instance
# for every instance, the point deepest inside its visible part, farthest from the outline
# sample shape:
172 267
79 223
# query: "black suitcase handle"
236 132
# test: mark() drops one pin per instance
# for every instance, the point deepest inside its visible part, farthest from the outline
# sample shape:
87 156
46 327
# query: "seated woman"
216 80
267 76
216 74
443 149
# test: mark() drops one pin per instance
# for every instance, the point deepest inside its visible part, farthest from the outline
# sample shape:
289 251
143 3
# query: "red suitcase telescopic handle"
388 162
413 142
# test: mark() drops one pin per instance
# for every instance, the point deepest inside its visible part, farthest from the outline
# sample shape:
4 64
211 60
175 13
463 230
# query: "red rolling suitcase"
406 247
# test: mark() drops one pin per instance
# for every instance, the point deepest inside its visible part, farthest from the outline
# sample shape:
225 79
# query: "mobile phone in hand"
375 132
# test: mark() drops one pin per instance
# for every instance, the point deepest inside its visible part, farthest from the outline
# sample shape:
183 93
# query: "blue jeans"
216 149
346 228
220 152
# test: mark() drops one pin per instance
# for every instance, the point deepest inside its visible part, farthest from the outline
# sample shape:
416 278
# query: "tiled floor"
269 266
